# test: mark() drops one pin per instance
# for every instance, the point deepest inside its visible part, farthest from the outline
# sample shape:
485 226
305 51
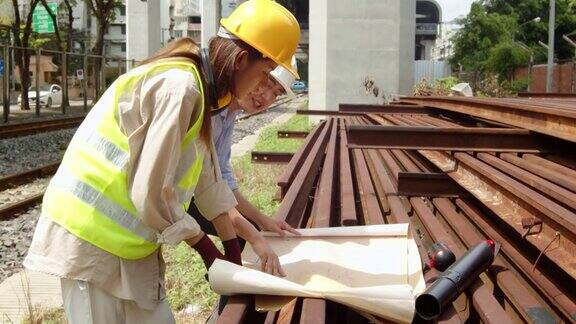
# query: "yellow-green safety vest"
89 196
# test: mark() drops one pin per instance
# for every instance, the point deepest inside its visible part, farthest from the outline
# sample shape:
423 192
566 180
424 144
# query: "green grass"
185 281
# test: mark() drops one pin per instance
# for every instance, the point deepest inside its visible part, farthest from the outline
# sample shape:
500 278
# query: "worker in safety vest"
278 83
134 164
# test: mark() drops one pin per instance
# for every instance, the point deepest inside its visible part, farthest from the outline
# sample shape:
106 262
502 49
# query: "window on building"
123 47
123 29
123 10
194 20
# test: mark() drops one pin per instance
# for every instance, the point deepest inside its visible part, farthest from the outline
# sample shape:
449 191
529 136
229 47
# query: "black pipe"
455 280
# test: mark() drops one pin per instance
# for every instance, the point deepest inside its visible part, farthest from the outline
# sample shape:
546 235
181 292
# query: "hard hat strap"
224 33
207 67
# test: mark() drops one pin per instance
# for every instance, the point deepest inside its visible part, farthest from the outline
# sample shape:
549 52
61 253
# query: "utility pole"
551 27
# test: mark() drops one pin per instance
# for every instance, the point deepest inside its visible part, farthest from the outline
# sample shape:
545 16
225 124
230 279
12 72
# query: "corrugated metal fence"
430 70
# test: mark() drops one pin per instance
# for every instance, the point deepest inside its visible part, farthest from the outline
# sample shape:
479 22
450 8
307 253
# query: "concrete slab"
27 289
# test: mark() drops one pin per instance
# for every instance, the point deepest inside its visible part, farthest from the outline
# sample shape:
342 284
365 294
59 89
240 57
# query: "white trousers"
86 304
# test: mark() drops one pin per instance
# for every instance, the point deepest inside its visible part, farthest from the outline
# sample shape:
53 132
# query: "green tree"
105 12
480 33
21 32
504 58
486 41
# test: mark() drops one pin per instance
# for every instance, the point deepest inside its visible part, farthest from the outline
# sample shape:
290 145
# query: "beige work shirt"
155 117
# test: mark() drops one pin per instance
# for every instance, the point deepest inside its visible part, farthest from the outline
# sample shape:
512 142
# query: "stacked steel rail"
460 171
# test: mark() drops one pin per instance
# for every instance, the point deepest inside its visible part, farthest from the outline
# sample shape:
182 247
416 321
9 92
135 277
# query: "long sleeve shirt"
222 131
155 117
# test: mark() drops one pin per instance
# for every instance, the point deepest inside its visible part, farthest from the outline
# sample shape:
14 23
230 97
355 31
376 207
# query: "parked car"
50 94
298 86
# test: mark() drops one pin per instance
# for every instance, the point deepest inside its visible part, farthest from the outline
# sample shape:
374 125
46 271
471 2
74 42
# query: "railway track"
15 180
15 130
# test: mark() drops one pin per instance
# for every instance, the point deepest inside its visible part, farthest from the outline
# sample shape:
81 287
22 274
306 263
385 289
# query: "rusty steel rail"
14 180
546 95
392 108
525 201
11 209
555 120
444 138
15 130
271 157
292 134
428 185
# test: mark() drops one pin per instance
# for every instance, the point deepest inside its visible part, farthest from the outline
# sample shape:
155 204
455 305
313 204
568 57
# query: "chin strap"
211 87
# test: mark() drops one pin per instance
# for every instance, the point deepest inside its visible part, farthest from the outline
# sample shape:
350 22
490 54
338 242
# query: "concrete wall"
142 29
354 40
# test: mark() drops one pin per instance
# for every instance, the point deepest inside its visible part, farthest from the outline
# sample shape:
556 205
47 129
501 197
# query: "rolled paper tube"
455 280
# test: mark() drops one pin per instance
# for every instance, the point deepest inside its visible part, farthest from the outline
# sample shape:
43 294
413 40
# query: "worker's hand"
269 261
277 226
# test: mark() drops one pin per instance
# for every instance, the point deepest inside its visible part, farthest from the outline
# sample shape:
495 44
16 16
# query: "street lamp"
536 20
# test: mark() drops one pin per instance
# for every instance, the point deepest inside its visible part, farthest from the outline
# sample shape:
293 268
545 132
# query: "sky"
454 8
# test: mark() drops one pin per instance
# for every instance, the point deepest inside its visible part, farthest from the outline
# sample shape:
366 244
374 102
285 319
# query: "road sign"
80 74
1 67
42 22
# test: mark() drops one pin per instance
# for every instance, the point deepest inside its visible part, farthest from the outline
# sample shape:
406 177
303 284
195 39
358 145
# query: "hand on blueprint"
277 226
269 261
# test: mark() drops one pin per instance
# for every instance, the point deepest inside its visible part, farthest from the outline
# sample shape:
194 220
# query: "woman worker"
278 83
135 162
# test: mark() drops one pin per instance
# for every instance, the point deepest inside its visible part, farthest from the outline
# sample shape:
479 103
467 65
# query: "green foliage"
480 32
504 58
485 43
441 87
519 85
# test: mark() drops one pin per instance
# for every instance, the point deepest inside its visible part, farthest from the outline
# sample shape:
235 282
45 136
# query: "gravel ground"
28 152
15 238
20 154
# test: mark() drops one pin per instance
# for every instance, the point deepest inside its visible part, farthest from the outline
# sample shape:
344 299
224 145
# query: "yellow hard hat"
268 27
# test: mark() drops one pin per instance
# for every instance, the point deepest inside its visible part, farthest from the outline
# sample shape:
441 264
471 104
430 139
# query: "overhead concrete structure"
428 20
143 29
210 11
352 42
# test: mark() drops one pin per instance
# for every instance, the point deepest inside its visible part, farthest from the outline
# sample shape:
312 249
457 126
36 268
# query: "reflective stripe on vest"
89 194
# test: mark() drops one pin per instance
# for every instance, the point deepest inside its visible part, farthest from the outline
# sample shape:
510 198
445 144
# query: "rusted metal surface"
271 157
338 113
299 157
428 185
348 215
440 138
554 121
292 134
292 207
393 108
11 209
14 180
546 95
524 201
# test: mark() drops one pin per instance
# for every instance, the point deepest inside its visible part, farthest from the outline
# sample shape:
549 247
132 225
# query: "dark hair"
223 53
